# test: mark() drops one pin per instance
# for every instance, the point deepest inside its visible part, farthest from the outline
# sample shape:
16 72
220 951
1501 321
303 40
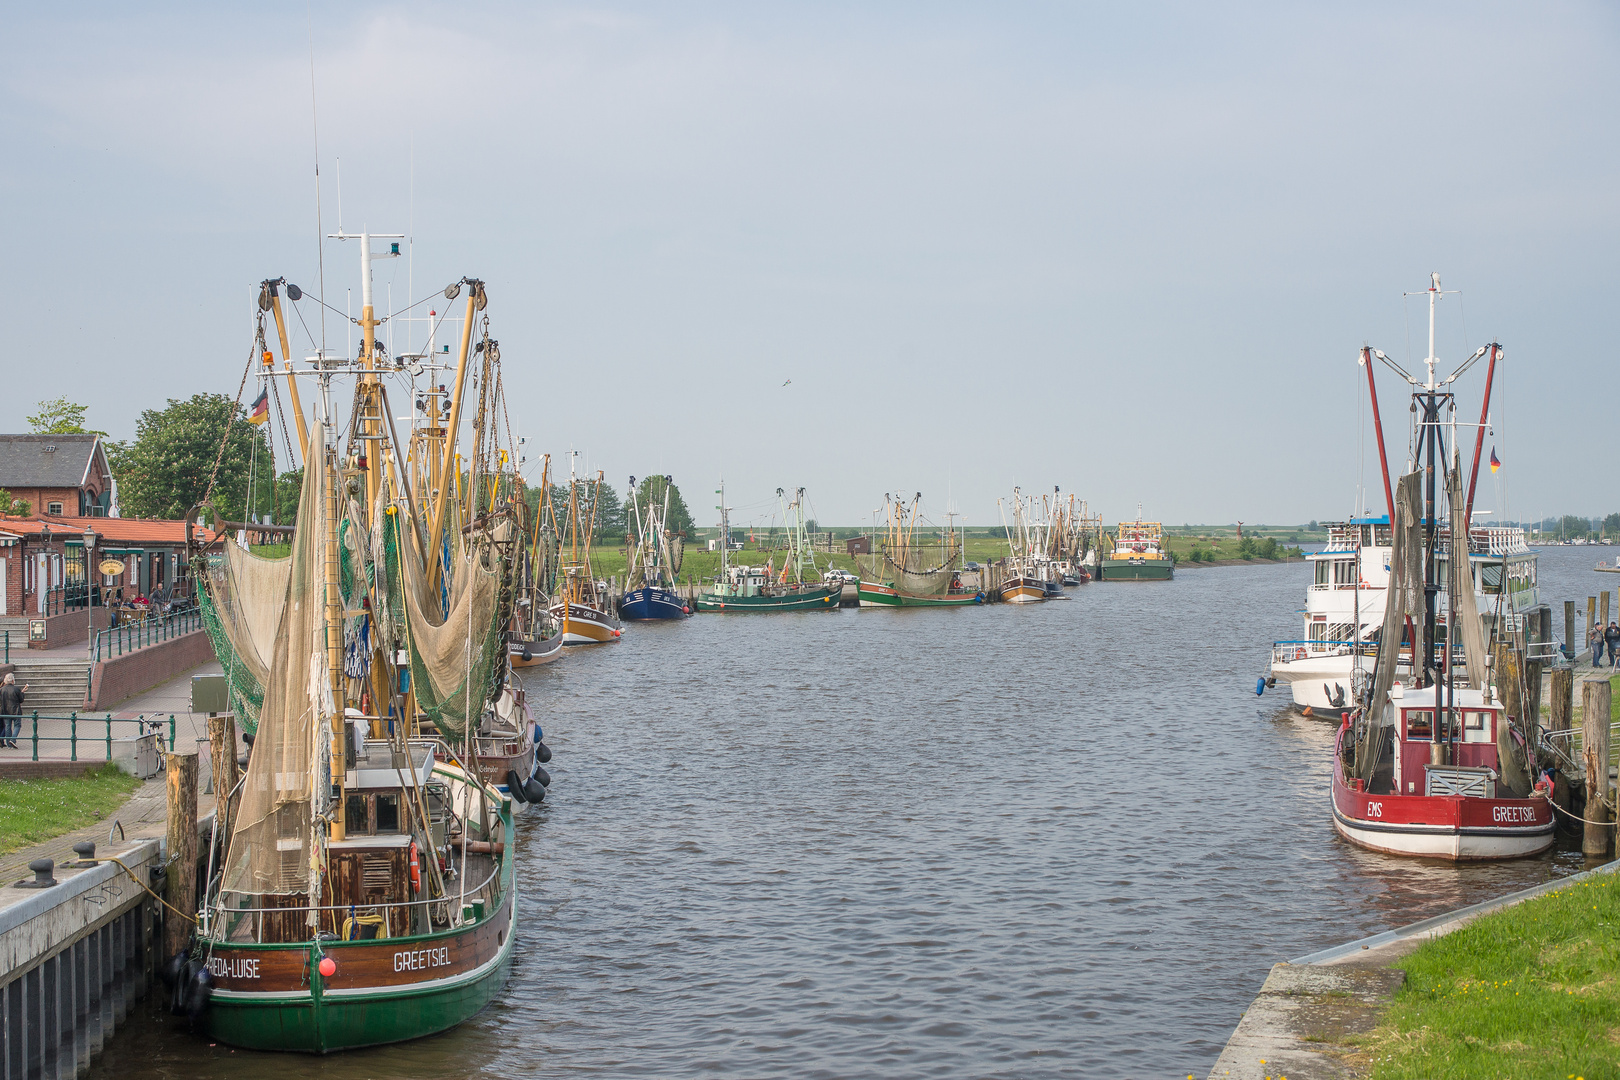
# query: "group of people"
1601 637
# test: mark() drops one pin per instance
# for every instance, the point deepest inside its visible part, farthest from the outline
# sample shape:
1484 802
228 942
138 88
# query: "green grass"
1530 991
32 811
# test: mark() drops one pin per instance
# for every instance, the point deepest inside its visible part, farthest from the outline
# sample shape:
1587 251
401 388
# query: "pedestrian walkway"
56 729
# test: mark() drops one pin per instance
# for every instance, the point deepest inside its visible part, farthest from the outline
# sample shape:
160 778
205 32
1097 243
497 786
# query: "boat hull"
653 603
1136 570
819 598
1457 828
523 653
583 625
872 594
273 997
1023 590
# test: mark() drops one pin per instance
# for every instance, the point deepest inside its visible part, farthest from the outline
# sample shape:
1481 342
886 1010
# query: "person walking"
1594 640
11 701
1611 638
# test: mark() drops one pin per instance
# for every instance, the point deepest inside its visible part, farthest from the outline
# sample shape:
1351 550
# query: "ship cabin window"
1319 630
1322 571
1490 577
354 815
1476 721
1344 571
1419 724
371 814
388 813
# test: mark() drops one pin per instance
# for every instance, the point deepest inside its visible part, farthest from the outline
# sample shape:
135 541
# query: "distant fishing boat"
744 589
655 560
905 572
534 638
1026 564
1138 553
582 610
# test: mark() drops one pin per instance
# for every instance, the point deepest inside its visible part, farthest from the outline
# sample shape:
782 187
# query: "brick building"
59 475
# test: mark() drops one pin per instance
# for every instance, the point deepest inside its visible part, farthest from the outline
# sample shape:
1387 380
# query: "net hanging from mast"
270 845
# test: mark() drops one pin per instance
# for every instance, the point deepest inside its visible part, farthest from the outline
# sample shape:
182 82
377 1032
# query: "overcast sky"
1129 250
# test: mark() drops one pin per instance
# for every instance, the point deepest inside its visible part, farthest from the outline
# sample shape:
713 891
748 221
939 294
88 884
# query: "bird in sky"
786 381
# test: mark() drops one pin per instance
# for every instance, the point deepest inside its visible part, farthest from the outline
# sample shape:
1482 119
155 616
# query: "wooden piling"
1510 692
222 743
180 850
1603 608
1591 620
1595 701
1563 697
1569 629
1532 703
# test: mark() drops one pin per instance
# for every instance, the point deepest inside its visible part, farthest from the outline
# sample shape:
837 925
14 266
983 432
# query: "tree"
164 472
1611 525
11 505
651 490
1574 527
59 416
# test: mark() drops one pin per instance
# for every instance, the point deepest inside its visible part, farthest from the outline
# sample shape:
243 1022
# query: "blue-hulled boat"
654 561
652 602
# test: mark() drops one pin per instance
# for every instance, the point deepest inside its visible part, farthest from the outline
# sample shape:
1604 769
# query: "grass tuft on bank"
33 811
1529 991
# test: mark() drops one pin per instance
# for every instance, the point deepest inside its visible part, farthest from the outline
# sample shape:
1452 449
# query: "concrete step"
54 689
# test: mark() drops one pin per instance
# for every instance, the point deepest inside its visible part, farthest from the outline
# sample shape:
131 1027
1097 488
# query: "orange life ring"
1299 654
416 869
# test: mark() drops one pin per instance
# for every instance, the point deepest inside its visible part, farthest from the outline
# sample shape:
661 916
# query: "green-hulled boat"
1137 554
905 572
363 892
745 589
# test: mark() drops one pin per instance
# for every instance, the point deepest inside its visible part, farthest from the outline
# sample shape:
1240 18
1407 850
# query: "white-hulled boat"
1326 668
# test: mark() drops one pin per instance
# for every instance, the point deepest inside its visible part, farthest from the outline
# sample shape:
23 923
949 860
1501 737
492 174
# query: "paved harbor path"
144 816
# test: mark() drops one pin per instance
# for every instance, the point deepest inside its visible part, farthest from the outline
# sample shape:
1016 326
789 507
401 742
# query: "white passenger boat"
1326 667
1344 606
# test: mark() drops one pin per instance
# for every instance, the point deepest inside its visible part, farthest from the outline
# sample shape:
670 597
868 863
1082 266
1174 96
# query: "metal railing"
1565 745
219 915
127 637
1287 651
144 725
60 599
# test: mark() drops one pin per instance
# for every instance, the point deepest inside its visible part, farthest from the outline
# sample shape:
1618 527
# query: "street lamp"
42 588
90 539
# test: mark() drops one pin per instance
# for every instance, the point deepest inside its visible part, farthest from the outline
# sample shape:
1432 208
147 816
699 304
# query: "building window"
54 509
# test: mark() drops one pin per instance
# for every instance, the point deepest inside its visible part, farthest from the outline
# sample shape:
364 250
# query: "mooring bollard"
43 878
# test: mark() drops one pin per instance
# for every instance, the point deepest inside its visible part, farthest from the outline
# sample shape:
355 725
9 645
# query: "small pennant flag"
260 413
1494 463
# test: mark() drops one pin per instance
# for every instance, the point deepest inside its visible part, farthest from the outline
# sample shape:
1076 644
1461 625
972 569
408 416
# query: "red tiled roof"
108 529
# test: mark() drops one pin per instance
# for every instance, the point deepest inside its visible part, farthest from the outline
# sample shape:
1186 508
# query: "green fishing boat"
361 889
907 571
1138 553
750 589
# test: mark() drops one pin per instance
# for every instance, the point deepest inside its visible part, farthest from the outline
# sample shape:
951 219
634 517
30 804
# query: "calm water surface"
1063 839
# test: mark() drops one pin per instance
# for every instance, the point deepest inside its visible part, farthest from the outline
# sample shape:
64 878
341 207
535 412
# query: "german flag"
260 413
1494 463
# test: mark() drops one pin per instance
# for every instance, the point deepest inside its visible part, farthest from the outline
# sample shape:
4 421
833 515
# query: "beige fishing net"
270 850
1470 628
1403 598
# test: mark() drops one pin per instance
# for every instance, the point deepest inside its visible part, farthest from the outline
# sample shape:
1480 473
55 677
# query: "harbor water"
1050 840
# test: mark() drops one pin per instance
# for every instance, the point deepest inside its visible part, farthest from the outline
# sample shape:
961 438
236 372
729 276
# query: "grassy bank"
1530 991
32 811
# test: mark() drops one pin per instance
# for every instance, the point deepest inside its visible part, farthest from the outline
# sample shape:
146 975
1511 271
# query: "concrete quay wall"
73 959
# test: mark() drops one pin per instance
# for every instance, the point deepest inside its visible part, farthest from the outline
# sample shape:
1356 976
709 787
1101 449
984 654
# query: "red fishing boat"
1462 810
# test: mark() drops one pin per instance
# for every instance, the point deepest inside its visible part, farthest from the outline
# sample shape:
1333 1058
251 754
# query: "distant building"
59 475
859 545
